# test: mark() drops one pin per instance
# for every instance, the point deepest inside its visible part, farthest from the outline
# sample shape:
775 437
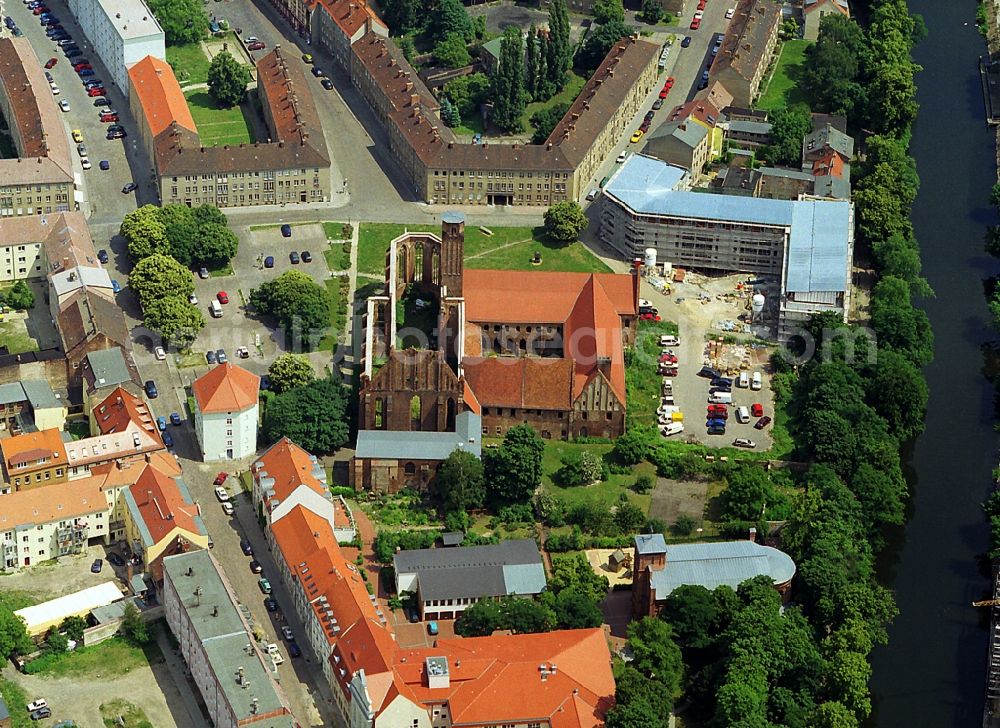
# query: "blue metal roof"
818 247
650 543
453 217
727 563
395 445
641 179
524 578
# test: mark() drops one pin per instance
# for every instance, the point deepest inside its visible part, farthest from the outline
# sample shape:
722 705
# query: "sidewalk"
179 672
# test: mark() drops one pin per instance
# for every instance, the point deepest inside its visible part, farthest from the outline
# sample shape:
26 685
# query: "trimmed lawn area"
335 230
189 62
783 90
338 256
574 85
14 599
606 492
120 713
16 699
109 659
509 248
337 286
14 336
642 380
218 126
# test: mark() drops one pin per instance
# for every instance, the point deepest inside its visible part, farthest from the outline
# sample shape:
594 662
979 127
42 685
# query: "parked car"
307 256
161 423
432 628
221 494
77 135
327 84
210 357
130 187
203 272
64 105
96 567
246 547
730 13
743 442
222 296
762 423
37 704
317 72
168 439
227 508
105 165
109 117
287 633
192 299
151 390
51 62
307 57
695 24
293 257
722 382
717 430
115 559
269 261
265 382
271 604
175 418
116 287
757 409
708 373
221 478
286 231
294 650
220 355
101 101
160 353
264 585
256 45
622 157
41 714
636 136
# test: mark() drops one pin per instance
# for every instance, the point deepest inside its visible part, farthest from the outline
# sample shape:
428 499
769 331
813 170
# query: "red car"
716 408
668 359
51 62
701 4
695 24
39 10
220 478
109 118
757 409
664 92
649 317
95 91
83 67
669 83
721 415
222 296
256 45
762 423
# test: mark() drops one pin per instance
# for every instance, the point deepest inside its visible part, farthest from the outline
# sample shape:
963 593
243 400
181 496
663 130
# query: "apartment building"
293 166
235 680
339 24
813 12
39 178
33 459
121 33
747 49
225 414
29 406
89 321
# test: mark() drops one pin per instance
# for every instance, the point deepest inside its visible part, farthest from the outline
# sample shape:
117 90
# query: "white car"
55 89
668 340
193 300
743 442
227 508
287 633
221 494
64 105
160 353
643 303
730 13
85 163
622 157
37 704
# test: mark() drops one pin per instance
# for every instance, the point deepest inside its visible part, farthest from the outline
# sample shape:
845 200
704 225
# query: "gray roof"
650 543
395 445
36 392
786 173
761 128
828 136
728 563
115 610
510 567
689 133
828 185
223 636
819 256
75 278
109 367
452 538
4 713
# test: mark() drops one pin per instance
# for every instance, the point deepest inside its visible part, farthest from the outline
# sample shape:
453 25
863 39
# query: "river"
933 671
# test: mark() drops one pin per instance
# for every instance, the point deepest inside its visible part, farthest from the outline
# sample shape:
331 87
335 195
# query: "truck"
674 428
720 398
272 651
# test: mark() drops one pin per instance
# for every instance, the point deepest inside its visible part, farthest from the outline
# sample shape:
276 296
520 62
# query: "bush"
643 484
580 468
684 525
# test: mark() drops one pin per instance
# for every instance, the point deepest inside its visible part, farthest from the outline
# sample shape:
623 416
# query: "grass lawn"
782 89
109 659
189 62
14 599
642 381
606 492
79 429
226 270
470 126
120 713
16 699
218 126
335 230
508 248
14 337
574 84
337 287
338 256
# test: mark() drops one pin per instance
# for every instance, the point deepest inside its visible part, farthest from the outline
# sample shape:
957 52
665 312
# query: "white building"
225 415
122 32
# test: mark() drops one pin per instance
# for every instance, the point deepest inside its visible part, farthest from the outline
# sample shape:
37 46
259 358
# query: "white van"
720 398
742 415
215 308
668 340
756 383
674 428
744 380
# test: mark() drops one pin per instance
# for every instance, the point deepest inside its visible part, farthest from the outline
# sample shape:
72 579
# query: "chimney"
753 535
414 98
604 365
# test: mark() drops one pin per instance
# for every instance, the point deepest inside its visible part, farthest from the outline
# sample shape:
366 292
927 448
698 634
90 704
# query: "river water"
933 671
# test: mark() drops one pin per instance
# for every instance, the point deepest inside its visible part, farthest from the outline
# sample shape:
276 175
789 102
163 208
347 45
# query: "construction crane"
987 603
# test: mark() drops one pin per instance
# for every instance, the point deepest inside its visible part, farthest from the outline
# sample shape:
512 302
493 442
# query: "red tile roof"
699 109
522 382
120 408
31 446
350 15
829 163
162 505
227 388
290 466
155 87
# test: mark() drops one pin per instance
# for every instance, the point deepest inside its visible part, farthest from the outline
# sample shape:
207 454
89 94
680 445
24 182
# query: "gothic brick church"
507 347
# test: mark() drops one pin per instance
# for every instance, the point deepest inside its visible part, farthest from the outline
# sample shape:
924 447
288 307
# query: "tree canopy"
183 21
314 416
160 276
599 41
227 79
508 91
460 482
564 221
301 306
514 469
452 52
289 371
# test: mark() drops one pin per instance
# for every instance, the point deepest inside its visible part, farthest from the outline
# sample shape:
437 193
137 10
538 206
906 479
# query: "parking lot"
695 317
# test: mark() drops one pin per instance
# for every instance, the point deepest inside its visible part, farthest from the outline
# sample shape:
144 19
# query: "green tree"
830 77
848 674
559 50
652 12
599 42
507 91
480 620
289 371
898 324
158 277
183 21
634 444
608 11
217 246
574 572
449 113
134 627
56 641
525 616
898 392
575 611
564 221
992 240
691 611
468 93
451 17
638 714
74 627
832 714
640 702
749 488
301 306
176 320
144 232
514 469
227 79
579 468
531 66
204 214
629 518
406 45
460 482
403 16
14 639
181 231
788 127
313 416
452 52
655 654
545 119
19 296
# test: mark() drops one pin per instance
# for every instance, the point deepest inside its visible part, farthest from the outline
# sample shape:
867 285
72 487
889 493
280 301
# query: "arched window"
410 469
415 418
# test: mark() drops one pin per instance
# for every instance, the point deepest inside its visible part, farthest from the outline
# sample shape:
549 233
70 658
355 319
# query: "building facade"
226 413
39 178
813 12
34 459
339 24
121 32
747 48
